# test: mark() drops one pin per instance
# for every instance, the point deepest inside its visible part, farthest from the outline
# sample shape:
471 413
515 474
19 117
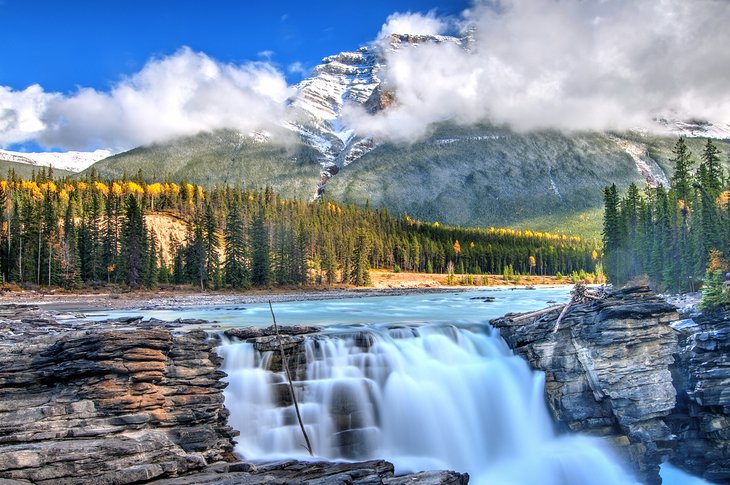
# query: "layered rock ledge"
130 401
374 472
701 420
607 371
109 404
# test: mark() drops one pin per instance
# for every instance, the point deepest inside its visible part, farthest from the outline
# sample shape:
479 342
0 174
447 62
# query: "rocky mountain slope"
223 157
469 175
25 170
67 161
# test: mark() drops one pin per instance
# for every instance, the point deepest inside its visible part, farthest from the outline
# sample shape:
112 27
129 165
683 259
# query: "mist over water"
432 396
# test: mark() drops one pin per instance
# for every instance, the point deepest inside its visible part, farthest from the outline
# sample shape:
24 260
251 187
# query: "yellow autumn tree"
153 191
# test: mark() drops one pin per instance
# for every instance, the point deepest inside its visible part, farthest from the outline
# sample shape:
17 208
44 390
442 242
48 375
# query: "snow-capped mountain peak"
347 77
71 161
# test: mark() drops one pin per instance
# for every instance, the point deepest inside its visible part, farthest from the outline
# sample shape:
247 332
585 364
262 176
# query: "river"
420 380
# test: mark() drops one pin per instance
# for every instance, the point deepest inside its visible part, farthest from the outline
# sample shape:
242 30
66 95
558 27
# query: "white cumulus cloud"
21 112
529 64
413 23
182 94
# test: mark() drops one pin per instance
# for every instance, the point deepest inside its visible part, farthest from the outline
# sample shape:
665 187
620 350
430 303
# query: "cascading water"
425 397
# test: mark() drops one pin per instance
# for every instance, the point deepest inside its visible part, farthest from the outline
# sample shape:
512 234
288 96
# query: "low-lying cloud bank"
531 64
569 64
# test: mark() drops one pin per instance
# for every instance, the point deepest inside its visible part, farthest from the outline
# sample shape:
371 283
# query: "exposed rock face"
245 333
607 371
375 472
106 405
127 401
702 377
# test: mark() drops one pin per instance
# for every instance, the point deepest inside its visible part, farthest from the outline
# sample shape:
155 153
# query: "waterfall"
436 396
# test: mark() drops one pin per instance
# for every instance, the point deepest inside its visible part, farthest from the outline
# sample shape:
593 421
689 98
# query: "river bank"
186 297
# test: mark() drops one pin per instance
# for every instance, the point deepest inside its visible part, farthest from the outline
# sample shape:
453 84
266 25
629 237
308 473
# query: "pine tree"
360 267
715 293
282 255
196 257
682 177
713 169
151 275
612 233
49 253
15 241
235 269
299 259
134 243
710 185
261 258
4 237
90 248
329 261
110 240
211 242
69 271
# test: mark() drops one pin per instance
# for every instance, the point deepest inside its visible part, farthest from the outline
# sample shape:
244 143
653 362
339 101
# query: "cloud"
529 64
21 112
267 54
298 68
569 64
413 23
182 94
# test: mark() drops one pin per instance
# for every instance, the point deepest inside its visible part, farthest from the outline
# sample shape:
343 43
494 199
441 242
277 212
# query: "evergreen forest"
677 237
80 232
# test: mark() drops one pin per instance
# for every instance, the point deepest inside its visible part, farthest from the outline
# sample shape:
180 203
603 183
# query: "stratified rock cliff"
126 401
607 371
702 377
111 404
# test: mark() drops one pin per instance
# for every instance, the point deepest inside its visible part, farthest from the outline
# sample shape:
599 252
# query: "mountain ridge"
470 175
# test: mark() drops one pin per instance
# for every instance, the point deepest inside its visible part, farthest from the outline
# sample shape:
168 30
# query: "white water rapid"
433 396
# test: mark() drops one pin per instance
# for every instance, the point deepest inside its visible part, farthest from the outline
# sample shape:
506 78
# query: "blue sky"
82 75
62 45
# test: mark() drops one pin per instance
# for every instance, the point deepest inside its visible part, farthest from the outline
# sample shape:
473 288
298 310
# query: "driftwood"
579 294
285 365
538 313
562 314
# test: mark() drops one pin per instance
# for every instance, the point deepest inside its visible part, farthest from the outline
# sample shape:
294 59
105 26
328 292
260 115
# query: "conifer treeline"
668 234
74 232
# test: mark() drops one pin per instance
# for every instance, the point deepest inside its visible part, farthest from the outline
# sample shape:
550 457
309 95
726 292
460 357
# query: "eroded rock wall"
607 371
701 420
106 405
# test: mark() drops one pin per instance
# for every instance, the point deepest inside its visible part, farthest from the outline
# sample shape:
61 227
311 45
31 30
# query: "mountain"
68 161
476 175
223 157
26 170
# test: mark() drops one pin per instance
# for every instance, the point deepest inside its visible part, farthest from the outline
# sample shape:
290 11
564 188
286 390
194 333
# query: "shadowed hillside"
223 157
469 176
